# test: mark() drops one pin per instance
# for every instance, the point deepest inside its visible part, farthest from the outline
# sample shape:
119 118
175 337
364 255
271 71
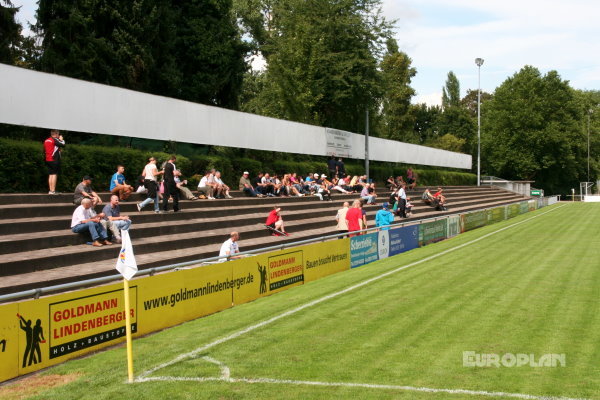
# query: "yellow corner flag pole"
127 266
128 331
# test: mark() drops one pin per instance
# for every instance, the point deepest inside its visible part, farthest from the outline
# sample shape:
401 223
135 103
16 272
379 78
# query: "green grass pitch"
531 289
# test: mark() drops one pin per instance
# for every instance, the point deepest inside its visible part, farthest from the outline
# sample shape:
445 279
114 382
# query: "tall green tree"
451 91
322 58
396 71
10 33
189 50
533 130
469 102
426 122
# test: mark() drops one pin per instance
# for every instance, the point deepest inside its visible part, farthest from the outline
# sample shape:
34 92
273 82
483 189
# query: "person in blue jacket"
384 217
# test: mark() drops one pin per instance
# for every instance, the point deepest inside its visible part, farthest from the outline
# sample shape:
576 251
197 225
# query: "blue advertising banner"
363 249
403 239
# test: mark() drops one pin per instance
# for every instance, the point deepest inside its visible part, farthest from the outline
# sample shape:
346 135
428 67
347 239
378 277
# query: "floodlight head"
479 61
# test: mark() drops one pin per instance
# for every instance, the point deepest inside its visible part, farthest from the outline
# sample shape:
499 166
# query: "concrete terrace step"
229 217
252 237
67 198
27 210
192 210
250 226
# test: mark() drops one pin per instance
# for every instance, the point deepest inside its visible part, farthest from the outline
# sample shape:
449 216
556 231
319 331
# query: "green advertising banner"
474 220
524 205
512 210
430 232
496 215
533 205
454 225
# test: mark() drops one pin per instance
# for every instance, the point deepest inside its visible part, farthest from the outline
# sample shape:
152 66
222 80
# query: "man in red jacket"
52 148
275 222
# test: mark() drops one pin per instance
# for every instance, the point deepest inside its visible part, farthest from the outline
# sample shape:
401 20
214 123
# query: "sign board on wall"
403 239
339 143
363 249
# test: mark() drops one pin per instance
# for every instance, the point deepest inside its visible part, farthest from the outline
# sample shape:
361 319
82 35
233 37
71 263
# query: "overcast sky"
447 35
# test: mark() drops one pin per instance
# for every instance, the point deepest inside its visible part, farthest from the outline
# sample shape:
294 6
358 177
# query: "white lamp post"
590 111
479 62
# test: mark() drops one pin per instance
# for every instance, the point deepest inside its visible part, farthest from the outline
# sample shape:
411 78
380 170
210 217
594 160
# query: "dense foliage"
533 130
324 62
24 171
189 50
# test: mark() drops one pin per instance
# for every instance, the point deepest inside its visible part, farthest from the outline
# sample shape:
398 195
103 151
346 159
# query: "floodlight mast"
479 62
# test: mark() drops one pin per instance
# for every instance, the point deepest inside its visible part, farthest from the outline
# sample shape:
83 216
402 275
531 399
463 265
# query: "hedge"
24 170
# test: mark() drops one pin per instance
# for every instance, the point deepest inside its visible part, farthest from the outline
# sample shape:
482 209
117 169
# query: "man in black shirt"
332 167
170 186
341 169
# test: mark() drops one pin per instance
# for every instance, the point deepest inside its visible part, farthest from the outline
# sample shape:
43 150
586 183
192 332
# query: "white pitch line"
328 297
356 385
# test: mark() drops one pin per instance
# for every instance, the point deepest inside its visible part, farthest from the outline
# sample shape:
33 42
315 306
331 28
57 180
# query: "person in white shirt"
204 188
402 200
342 224
85 219
222 188
150 183
230 247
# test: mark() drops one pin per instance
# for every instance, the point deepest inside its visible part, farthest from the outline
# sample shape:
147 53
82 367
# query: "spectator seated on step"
246 186
441 199
409 207
221 189
274 223
118 185
183 190
84 191
338 185
368 193
85 220
204 189
390 183
269 186
355 184
428 198
298 183
112 220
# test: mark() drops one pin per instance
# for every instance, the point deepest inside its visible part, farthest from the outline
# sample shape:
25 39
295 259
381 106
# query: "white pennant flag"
126 264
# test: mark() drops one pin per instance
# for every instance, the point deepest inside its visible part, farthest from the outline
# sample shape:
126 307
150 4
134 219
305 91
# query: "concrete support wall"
44 100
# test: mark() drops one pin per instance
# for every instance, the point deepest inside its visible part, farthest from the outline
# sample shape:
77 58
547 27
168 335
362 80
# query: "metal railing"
36 293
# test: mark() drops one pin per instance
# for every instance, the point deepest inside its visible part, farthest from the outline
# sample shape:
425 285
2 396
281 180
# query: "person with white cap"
246 185
323 189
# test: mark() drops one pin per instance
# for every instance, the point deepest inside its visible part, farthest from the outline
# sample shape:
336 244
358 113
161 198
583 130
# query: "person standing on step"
384 218
341 168
150 174
402 201
332 166
342 223
52 149
171 189
354 217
